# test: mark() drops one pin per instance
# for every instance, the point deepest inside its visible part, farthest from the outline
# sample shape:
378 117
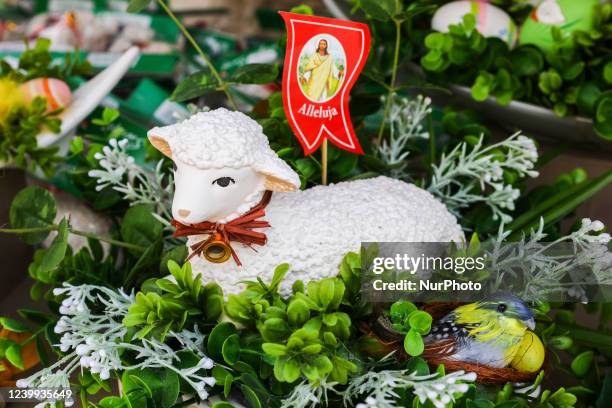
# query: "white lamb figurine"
224 164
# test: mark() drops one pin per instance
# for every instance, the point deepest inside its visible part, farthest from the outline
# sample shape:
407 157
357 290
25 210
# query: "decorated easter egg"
530 354
491 21
56 92
568 15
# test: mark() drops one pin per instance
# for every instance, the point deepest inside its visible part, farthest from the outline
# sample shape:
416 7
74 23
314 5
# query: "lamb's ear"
158 140
279 185
278 175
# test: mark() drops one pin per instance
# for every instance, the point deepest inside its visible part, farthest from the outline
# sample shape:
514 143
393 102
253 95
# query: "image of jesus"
320 74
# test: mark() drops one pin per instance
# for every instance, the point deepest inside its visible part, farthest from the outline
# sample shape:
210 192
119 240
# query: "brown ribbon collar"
239 230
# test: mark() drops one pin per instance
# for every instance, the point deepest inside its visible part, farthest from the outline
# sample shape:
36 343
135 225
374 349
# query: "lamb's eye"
224 181
501 308
174 166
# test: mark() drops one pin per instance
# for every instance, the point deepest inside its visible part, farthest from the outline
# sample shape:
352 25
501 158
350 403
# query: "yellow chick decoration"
10 97
530 354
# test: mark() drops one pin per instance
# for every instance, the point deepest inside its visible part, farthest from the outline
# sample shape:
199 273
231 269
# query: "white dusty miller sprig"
93 336
553 270
459 172
137 184
380 388
405 120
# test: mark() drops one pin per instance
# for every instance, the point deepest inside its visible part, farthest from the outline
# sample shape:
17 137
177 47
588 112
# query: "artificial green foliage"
32 216
171 305
303 336
249 306
37 62
414 323
137 5
18 142
33 208
12 349
301 355
342 165
573 78
149 387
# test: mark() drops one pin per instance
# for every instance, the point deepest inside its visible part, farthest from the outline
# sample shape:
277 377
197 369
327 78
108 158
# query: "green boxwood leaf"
605 397
420 321
571 72
298 312
222 404
251 396
607 72
274 349
303 9
400 311
581 363
217 337
413 343
13 355
231 349
33 207
35 316
418 366
13 325
140 227
56 252
194 86
41 351
113 402
435 41
344 164
526 61
481 403
586 97
254 74
380 10
603 111
177 254
160 385
137 5
290 369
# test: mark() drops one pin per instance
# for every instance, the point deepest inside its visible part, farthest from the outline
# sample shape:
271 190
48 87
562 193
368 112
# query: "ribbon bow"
239 230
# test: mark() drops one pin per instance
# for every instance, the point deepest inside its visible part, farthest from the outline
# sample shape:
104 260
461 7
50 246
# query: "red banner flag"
323 60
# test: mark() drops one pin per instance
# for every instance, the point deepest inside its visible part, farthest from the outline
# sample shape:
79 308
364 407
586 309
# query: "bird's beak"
530 324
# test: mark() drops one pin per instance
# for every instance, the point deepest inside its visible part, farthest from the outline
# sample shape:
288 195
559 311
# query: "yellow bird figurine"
490 332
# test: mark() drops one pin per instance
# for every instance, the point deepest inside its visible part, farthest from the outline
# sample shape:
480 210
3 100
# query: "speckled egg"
568 15
491 21
56 92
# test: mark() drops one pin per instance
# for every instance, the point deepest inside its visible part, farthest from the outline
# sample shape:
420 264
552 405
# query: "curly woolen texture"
313 229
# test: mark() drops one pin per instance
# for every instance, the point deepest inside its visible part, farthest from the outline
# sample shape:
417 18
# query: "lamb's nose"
184 213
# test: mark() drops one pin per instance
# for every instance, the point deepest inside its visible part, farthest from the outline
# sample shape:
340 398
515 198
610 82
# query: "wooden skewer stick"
324 162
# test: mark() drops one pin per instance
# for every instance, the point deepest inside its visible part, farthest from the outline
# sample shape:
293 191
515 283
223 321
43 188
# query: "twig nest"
530 355
528 359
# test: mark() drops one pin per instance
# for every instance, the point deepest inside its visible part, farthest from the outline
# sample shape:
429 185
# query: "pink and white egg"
491 21
56 91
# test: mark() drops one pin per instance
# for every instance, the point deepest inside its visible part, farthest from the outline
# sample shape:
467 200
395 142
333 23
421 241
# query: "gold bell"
217 251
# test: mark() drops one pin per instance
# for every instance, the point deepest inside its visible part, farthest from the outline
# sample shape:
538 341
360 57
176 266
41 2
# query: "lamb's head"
223 164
